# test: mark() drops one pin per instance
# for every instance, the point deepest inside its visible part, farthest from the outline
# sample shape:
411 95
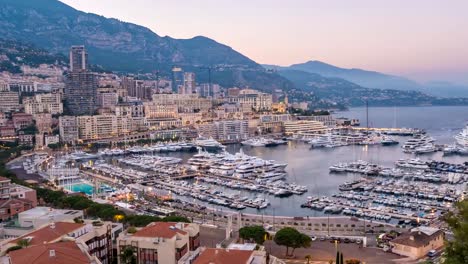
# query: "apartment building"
43 103
101 126
107 100
43 122
155 110
226 130
59 252
36 218
254 99
9 101
68 129
95 238
15 199
22 120
130 109
160 242
186 103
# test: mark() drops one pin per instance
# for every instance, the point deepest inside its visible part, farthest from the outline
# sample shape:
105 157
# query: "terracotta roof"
4 179
159 229
48 234
8 202
223 256
65 252
416 238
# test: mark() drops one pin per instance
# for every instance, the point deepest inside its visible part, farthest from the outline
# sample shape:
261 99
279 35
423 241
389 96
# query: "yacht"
462 138
208 144
412 144
329 141
412 163
320 141
388 141
255 142
428 148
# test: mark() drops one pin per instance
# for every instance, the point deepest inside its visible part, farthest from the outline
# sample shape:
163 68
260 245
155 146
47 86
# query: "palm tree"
127 255
308 257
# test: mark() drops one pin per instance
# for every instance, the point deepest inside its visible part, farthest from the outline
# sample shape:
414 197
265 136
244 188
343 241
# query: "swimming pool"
81 187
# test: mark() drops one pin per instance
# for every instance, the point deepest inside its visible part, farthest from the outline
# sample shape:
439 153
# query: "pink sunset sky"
421 39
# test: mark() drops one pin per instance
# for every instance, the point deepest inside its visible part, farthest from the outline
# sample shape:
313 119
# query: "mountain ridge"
378 80
127 47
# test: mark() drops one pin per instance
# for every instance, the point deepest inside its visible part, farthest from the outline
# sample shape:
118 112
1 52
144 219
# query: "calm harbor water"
441 122
310 167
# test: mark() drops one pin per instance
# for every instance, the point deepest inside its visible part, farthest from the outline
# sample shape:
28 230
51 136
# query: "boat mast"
367 117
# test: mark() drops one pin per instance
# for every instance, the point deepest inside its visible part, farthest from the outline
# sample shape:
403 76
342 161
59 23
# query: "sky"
424 40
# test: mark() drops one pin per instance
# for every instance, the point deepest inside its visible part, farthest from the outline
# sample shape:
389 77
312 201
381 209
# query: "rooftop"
38 212
159 229
417 237
245 246
223 256
49 233
55 253
4 179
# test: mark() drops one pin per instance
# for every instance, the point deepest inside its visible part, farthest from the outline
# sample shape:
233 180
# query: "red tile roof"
223 256
159 229
48 234
4 179
65 252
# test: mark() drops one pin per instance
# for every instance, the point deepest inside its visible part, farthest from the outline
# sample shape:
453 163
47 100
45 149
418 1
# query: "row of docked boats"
332 140
160 147
237 165
211 195
276 188
385 199
409 169
116 172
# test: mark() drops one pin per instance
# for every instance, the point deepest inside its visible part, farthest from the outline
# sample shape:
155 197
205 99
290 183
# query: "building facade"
161 242
68 129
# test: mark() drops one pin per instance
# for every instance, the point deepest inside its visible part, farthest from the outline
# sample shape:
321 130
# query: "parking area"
326 250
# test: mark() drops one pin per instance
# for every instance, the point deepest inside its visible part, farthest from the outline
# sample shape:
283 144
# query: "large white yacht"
321 141
238 165
417 142
208 144
462 138
255 142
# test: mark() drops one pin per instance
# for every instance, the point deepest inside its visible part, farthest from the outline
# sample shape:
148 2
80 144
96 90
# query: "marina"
370 175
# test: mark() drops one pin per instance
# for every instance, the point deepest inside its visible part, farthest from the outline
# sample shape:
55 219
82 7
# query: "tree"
303 241
291 238
176 218
132 230
456 249
308 258
13 248
127 255
253 233
23 243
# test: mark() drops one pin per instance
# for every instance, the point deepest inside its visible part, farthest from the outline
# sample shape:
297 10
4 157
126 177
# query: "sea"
310 167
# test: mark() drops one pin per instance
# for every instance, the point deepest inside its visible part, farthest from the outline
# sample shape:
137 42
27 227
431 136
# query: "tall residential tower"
80 84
